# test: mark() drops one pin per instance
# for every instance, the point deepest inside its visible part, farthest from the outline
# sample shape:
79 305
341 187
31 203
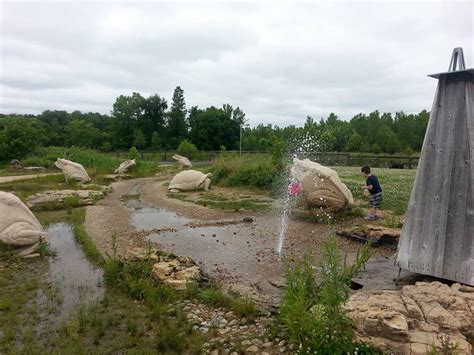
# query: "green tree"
127 111
213 128
187 149
355 142
81 133
139 139
177 122
18 136
153 121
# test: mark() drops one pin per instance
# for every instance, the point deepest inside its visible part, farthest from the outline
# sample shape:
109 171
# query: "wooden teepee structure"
438 235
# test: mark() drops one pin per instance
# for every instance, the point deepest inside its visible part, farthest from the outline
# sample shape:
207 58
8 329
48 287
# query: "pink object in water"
294 188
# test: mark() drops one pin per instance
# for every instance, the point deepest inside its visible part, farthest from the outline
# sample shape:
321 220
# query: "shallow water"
79 281
237 251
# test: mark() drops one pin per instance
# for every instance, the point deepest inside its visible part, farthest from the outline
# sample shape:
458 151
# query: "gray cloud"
278 62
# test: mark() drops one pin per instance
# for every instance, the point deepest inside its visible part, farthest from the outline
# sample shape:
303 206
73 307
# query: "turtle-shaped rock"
322 187
190 180
72 170
19 227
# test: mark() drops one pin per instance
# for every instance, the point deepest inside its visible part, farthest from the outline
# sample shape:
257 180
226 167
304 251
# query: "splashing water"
308 143
284 223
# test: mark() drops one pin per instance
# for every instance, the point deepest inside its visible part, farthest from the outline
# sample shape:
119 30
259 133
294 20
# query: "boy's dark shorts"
376 200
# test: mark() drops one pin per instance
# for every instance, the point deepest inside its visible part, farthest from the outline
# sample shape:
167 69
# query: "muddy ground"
240 255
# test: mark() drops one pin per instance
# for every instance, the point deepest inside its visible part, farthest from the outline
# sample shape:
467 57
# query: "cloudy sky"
279 62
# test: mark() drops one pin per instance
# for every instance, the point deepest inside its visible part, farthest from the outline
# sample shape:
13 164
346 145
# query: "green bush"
312 312
187 149
231 169
133 153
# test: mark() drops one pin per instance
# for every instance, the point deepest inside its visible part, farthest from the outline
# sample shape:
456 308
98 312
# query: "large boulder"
190 180
19 227
125 166
184 162
322 187
415 320
72 170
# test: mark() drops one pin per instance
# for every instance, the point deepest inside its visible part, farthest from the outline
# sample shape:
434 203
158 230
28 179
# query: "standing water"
78 280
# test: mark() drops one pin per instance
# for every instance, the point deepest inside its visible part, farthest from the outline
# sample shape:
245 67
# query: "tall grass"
96 163
230 169
312 312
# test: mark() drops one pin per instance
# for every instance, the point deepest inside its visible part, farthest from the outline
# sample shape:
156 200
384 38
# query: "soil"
240 255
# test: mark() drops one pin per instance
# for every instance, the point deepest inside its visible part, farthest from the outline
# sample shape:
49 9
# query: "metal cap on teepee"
457 66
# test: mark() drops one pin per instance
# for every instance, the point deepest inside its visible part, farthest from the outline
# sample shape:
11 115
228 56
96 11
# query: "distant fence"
324 158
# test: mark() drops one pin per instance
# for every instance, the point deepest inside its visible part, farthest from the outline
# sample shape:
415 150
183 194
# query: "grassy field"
396 184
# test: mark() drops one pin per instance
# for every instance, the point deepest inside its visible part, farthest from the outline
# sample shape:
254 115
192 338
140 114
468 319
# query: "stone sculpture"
15 164
18 225
190 180
72 170
321 186
125 166
183 161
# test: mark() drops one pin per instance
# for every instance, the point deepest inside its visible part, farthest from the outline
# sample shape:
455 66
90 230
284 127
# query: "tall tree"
177 124
128 111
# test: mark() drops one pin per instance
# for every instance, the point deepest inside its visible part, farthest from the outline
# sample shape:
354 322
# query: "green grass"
76 218
242 307
22 282
396 185
226 203
96 163
230 169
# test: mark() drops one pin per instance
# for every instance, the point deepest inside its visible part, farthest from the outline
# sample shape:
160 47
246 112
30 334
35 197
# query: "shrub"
187 149
312 312
133 153
234 170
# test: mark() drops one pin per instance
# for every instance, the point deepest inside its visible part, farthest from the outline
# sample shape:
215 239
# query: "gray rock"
252 349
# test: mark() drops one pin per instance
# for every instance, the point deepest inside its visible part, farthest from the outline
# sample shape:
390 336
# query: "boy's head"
365 170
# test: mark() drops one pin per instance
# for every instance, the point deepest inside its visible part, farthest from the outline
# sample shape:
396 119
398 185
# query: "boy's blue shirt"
376 188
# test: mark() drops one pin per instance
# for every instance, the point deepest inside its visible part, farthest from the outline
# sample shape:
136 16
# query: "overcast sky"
279 62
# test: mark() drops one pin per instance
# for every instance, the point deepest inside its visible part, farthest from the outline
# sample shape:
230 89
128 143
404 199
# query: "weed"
447 347
312 312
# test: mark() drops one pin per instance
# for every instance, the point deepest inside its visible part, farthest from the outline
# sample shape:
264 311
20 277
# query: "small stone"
267 345
282 343
252 349
246 343
282 349
215 352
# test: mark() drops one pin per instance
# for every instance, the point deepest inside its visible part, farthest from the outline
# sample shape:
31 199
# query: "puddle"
79 281
230 251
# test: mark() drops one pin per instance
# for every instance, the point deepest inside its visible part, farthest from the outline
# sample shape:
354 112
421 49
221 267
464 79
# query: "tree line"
149 123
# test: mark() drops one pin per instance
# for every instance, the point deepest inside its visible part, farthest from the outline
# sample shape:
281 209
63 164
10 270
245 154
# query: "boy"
376 194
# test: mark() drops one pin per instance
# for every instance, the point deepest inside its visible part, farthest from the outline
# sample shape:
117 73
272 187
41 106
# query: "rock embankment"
415 320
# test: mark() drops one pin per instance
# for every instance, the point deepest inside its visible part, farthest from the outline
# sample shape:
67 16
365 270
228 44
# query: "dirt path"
242 256
24 177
